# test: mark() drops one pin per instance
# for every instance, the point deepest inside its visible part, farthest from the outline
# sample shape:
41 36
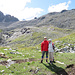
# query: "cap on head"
49 39
45 37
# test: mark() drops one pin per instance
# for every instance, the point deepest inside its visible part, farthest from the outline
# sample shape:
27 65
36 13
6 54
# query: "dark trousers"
43 53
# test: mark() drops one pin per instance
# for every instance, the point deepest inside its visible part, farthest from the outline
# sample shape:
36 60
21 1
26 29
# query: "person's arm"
41 47
48 44
53 46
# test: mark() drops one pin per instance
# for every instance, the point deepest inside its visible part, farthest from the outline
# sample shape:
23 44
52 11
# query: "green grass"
35 40
28 40
32 36
25 53
69 39
33 52
63 30
0 30
67 58
30 48
37 34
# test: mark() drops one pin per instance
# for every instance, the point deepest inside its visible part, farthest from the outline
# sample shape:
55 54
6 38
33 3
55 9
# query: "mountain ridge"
7 18
63 19
53 25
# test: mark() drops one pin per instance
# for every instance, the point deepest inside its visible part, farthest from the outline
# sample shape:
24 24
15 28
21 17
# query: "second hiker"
51 51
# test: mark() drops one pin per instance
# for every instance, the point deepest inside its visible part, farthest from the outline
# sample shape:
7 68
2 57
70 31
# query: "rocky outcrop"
11 35
67 47
7 18
1 16
24 30
1 38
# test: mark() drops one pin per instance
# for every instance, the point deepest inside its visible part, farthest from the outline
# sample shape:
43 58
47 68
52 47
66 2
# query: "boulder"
2 55
25 30
74 48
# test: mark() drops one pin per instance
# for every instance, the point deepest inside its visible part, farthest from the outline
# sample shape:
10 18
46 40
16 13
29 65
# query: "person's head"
50 40
45 38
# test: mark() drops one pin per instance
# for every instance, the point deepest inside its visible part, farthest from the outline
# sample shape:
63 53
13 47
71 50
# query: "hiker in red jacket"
44 49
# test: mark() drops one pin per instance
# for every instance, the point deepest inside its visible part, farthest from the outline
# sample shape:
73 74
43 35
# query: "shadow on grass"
56 69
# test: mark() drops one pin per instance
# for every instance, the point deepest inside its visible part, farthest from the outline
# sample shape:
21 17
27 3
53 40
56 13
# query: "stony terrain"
26 61
53 25
20 44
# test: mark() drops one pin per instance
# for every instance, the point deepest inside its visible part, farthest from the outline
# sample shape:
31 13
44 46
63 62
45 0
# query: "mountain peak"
7 18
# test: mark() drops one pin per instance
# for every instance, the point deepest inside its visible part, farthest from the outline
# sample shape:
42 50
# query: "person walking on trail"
44 49
51 51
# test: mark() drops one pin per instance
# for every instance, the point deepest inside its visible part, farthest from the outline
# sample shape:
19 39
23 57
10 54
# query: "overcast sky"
28 9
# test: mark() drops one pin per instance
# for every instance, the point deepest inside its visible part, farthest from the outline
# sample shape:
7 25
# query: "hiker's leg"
43 53
50 56
51 60
53 56
47 56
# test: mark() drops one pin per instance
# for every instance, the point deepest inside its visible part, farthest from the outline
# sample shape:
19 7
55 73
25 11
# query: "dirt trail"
19 61
70 69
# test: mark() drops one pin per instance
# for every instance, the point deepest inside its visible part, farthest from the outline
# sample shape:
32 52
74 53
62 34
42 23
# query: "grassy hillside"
36 36
32 66
69 39
28 55
26 47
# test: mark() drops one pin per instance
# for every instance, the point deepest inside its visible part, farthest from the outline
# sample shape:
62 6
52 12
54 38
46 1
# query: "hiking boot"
54 61
46 61
51 62
41 61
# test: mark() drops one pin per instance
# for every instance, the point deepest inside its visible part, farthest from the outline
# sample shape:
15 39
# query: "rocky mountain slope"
6 20
21 42
29 33
63 19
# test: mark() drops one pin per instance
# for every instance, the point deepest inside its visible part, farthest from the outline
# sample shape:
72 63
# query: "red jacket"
44 46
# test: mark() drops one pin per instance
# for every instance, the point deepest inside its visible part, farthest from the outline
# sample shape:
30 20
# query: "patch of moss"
68 39
0 30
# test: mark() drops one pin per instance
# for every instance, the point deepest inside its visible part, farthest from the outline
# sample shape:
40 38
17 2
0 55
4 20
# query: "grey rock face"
7 18
1 16
1 39
25 30
63 19
53 24
66 49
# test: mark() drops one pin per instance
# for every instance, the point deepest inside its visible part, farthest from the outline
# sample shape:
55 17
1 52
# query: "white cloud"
18 9
31 12
59 7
